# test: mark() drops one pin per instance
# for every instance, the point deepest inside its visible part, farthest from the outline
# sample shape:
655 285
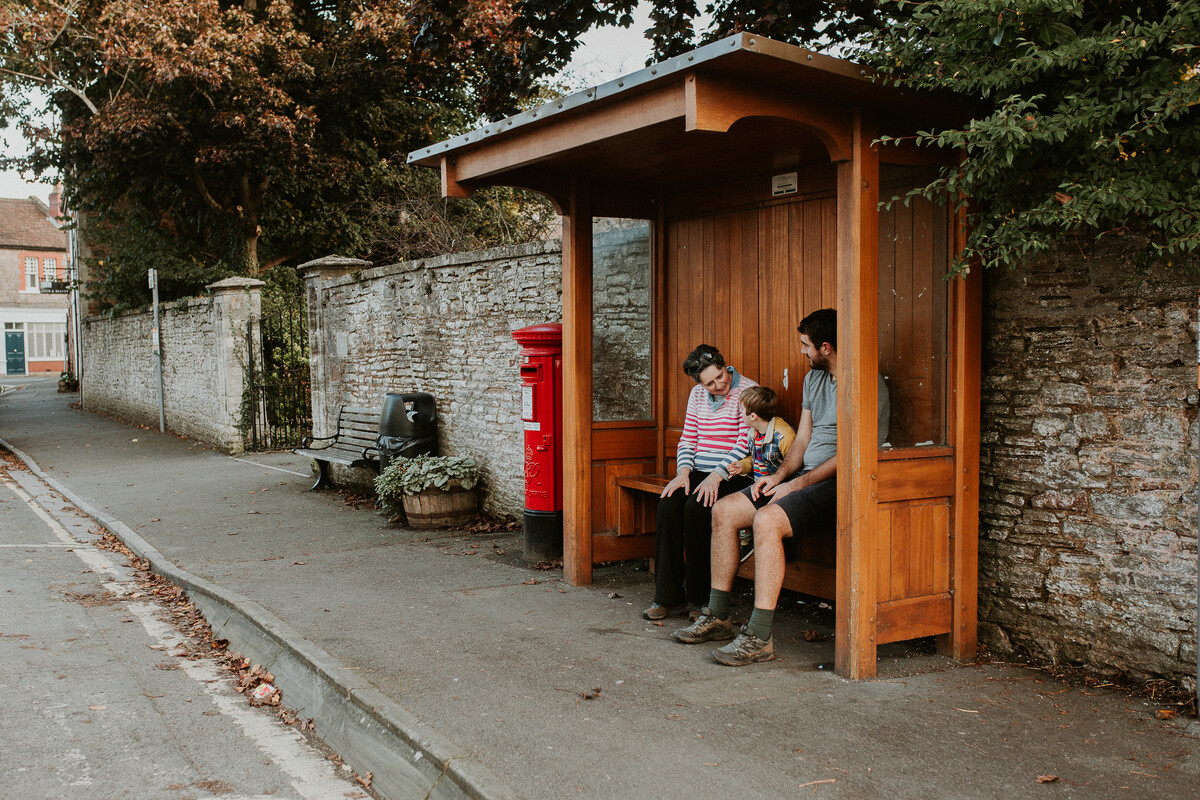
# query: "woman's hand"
680 481
706 492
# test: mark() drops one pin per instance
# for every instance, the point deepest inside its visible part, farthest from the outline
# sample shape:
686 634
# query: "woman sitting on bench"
712 427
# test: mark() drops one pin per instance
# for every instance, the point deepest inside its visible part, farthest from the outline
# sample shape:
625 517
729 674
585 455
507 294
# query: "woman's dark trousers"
685 526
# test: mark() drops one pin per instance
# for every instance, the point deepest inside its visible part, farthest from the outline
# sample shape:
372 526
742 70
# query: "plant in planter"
434 491
67 381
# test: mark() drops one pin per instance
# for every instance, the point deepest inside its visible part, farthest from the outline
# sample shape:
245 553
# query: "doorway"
14 352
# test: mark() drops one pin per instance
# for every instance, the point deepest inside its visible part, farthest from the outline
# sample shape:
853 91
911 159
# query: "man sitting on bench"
801 496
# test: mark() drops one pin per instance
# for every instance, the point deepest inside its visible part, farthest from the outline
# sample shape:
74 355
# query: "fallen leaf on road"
97 708
1166 713
811 635
592 695
1047 778
614 596
156 520
814 783
299 563
531 582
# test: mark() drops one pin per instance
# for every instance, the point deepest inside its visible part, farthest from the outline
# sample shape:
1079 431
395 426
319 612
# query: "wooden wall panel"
913 549
744 279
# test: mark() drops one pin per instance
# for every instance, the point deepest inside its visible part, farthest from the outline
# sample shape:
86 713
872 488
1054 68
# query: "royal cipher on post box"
541 415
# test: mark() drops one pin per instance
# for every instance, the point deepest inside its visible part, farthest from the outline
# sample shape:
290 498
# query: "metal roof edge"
643 78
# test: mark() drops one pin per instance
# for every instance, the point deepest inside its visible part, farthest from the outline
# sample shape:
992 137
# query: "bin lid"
545 333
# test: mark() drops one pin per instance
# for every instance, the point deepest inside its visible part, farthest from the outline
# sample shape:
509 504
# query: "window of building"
31 273
45 341
50 269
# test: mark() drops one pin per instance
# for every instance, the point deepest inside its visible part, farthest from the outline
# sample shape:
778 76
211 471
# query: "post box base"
543 535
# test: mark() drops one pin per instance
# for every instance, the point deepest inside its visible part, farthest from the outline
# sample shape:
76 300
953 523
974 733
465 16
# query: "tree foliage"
221 136
1091 124
535 38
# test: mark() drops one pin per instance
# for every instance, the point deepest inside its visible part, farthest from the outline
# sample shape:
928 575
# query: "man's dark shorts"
807 509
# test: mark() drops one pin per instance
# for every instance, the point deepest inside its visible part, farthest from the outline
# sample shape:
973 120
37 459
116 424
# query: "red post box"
541 414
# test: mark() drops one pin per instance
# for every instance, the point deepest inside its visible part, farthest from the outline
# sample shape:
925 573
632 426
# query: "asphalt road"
96 703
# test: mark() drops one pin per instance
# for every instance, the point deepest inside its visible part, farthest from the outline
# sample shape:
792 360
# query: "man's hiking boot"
706 628
657 611
745 649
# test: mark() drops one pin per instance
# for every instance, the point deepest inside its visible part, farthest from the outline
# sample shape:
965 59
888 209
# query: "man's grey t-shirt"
820 398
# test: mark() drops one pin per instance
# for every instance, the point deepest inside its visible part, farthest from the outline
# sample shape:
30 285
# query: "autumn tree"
220 136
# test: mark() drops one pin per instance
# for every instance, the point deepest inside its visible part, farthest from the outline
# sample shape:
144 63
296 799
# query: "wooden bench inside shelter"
351 445
812 560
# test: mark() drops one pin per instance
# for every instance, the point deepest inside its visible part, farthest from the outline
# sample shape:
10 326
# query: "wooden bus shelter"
758 167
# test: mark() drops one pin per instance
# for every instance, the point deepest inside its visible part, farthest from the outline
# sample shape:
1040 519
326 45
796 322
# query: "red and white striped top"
709 434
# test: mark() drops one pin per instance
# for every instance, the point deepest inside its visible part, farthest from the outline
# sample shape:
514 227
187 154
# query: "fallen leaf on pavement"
811 635
614 596
531 582
592 695
1047 778
97 708
299 563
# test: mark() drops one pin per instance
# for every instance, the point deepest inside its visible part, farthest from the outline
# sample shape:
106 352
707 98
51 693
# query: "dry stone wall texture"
1089 463
204 358
444 326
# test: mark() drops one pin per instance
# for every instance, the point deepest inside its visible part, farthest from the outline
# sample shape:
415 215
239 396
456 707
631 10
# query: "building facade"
33 287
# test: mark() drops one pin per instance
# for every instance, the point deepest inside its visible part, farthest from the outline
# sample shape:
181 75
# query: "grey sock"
760 623
718 603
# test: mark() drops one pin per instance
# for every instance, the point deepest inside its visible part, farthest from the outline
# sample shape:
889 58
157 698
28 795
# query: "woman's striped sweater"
710 433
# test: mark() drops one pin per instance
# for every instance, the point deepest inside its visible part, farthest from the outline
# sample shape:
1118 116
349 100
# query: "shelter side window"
620 319
914 259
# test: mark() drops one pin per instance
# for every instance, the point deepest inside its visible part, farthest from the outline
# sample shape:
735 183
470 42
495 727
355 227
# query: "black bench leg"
322 475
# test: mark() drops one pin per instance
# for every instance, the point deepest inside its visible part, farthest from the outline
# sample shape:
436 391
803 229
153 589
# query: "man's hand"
706 492
680 481
765 485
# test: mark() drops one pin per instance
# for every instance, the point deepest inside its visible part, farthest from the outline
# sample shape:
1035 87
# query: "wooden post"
858 397
577 384
967 341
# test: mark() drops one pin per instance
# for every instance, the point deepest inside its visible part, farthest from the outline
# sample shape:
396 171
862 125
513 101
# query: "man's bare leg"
771 527
731 513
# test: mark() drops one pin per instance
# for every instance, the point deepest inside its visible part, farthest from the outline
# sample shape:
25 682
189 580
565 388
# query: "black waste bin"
407 427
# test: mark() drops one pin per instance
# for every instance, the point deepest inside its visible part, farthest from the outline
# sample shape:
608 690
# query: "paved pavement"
443 665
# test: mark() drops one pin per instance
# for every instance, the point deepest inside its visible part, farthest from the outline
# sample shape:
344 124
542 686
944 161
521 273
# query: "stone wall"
444 326
1089 463
204 359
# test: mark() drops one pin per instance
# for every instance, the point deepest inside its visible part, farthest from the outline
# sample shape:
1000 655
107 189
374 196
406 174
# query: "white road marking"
313 776
268 466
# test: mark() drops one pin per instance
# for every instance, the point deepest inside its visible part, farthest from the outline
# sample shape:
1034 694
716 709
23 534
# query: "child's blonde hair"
760 400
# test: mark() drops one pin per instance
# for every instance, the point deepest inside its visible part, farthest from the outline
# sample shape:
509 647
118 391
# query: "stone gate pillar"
237 312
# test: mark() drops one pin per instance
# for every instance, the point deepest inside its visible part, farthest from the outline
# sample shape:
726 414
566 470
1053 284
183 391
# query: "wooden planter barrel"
441 508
